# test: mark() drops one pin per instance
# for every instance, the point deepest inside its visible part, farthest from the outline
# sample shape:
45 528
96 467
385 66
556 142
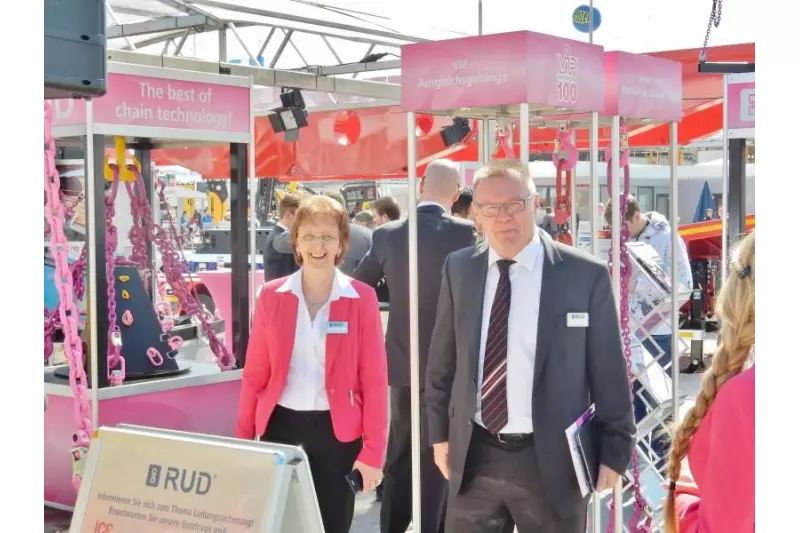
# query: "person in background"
279 261
549 222
384 209
360 239
527 337
206 219
365 218
654 229
439 233
315 374
718 434
709 215
463 206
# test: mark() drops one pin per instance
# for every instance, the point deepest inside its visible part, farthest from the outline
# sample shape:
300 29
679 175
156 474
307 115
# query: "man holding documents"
526 339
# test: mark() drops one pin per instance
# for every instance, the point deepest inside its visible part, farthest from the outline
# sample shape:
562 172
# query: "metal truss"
306 28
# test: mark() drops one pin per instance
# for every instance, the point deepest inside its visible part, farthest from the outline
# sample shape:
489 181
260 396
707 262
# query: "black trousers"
396 505
330 460
502 487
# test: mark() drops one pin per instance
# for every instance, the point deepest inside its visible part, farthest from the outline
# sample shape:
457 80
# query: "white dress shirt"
305 382
523 321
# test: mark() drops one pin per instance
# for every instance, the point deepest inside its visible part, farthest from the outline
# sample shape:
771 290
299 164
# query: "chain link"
713 20
114 359
54 213
626 271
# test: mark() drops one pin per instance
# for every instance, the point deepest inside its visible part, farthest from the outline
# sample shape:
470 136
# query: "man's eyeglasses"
511 207
324 239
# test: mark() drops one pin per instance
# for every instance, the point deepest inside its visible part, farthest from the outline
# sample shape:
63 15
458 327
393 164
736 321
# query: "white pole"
524 133
413 313
91 246
616 224
673 274
573 212
594 187
480 17
253 192
725 180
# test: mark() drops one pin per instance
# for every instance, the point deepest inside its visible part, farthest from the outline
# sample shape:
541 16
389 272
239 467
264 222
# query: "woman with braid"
718 434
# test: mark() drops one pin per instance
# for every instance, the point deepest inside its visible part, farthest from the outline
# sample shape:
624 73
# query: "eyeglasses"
511 208
324 239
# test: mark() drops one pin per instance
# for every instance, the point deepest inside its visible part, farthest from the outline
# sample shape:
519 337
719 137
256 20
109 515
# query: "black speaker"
75 49
456 132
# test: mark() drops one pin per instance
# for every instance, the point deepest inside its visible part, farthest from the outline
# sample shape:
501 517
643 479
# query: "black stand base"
183 367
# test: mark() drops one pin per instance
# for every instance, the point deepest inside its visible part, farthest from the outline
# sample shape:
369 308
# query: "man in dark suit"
279 262
439 234
527 337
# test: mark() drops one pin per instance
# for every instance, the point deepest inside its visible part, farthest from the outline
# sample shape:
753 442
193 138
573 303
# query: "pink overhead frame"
502 69
642 86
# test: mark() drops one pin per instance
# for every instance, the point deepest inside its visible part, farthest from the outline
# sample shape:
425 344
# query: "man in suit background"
438 235
360 241
527 337
279 262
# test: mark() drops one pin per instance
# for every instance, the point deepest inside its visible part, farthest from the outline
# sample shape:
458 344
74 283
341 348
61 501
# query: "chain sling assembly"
642 516
67 310
504 141
565 158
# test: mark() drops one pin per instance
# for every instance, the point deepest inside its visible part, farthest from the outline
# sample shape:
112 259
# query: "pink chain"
626 271
174 272
52 321
115 361
67 310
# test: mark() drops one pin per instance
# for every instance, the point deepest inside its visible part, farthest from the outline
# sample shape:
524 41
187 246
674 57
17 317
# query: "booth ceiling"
281 34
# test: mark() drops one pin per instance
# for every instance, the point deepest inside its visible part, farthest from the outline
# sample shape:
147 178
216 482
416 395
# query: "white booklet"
582 438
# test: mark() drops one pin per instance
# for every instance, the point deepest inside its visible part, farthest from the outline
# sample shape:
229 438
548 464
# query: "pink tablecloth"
218 283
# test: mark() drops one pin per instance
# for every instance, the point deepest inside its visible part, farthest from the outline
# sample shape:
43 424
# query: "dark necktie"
494 404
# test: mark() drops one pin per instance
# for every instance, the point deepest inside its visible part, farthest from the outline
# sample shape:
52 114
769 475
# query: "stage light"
291 116
456 132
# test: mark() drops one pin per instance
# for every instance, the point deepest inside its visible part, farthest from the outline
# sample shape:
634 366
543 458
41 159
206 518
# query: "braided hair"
737 312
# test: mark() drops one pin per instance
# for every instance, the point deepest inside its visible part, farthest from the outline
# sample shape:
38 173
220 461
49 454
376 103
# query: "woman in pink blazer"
315 374
718 434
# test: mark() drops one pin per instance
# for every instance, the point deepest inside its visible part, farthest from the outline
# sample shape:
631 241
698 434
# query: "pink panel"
741 105
472 71
564 73
203 409
163 103
69 112
218 283
642 86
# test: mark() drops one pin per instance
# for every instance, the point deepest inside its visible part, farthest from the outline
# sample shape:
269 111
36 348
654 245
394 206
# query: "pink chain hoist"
67 310
636 524
52 321
114 359
173 266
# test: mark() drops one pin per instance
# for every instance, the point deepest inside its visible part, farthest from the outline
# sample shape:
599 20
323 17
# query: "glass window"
645 197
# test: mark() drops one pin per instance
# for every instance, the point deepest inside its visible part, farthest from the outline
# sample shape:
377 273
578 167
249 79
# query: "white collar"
342 288
526 257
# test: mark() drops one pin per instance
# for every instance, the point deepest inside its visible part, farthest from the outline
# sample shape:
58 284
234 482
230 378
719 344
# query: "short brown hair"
336 195
289 202
631 209
322 205
386 205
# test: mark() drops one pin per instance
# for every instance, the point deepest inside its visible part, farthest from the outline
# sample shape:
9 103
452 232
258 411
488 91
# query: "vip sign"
567 77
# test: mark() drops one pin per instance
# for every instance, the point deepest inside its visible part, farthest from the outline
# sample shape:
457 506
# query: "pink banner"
642 86
741 105
163 103
502 69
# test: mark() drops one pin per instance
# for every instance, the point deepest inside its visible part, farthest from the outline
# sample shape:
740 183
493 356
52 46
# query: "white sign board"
160 481
740 106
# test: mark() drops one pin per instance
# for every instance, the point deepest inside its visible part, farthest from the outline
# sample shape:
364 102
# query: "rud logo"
178 479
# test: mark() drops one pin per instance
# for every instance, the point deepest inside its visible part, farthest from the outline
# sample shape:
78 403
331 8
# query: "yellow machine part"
121 155
216 208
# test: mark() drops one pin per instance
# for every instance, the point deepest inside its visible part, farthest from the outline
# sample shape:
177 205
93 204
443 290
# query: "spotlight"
291 116
456 132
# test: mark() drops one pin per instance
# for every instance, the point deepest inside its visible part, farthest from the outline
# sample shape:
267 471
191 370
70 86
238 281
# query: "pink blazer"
722 461
354 361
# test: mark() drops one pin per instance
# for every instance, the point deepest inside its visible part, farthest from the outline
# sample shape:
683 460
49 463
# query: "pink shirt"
722 461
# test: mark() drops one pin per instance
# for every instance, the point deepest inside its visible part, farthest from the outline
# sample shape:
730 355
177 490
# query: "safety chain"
115 361
565 157
67 310
174 271
635 524
52 321
713 20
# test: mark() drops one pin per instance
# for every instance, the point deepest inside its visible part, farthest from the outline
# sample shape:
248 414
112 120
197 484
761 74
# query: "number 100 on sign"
567 92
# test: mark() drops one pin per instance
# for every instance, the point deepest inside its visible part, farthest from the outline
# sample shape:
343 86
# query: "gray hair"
509 168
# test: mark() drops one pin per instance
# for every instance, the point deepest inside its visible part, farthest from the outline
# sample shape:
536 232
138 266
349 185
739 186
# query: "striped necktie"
494 403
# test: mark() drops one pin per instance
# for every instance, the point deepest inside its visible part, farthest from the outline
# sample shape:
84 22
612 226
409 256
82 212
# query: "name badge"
577 320
337 328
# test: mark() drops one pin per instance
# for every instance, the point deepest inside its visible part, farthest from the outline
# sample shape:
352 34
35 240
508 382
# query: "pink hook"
565 149
155 356
127 318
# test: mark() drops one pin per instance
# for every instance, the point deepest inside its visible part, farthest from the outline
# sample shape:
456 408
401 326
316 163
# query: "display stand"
151 108
145 479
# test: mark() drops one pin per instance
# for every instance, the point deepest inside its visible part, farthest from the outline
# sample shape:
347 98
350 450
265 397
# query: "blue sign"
583 15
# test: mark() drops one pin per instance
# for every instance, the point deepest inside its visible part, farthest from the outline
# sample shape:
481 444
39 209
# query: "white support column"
594 184
673 274
616 224
573 212
524 133
413 313
725 182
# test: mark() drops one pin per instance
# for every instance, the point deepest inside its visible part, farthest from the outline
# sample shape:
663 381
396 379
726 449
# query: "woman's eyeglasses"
324 239
511 207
